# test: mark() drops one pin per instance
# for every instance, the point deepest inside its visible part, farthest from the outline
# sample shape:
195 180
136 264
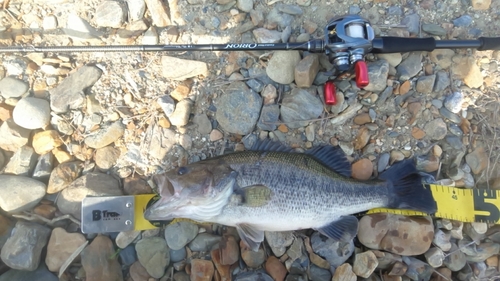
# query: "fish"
274 188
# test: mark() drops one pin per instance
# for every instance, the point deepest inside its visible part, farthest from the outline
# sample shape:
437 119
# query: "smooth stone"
190 68
79 29
136 9
11 87
179 234
106 135
125 238
110 14
410 66
281 67
204 124
204 242
153 254
177 255
18 193
40 274
61 246
377 74
279 241
99 262
300 106
436 129
128 255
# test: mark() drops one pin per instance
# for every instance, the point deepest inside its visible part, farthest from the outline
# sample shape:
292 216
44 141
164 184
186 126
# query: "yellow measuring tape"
466 205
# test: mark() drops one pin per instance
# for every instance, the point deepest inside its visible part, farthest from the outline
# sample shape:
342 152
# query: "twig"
32 217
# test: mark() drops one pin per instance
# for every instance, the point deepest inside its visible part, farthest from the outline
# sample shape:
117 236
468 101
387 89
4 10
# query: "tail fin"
406 189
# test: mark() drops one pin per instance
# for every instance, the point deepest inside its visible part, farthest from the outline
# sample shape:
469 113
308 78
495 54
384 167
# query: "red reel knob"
361 69
330 93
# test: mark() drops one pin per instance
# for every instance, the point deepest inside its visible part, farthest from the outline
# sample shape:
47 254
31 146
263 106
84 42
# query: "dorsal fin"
270 145
333 157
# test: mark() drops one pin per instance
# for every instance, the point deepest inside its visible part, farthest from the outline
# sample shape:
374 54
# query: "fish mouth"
162 208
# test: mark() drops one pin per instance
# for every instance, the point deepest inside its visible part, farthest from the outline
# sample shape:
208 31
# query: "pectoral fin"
251 236
254 196
344 228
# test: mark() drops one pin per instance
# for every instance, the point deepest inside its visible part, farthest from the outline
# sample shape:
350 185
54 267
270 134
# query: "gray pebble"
455 130
110 14
108 134
425 84
321 78
433 29
299 265
410 66
245 5
354 10
456 259
476 32
128 255
32 113
383 161
136 9
18 193
11 87
454 101
282 19
279 241
216 22
436 129
455 142
290 9
269 116
78 28
153 254
285 34
178 255
319 274
442 81
299 106
377 73
22 162
204 124
40 274
437 103
14 65
204 242
450 115
255 85
180 116
224 7
43 168
395 11
462 21
179 234
412 23
335 252
167 104
259 275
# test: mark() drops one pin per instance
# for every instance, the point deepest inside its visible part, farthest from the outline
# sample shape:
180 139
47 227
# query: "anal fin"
250 235
344 228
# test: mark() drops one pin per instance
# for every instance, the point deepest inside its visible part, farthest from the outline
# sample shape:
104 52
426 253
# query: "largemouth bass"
273 188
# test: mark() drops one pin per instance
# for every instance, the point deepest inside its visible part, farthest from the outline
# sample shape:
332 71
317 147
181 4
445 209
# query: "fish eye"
182 170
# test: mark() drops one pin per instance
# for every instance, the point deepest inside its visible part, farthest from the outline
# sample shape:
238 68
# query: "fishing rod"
346 41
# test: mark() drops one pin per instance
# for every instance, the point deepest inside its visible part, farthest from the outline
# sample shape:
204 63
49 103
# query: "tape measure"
124 213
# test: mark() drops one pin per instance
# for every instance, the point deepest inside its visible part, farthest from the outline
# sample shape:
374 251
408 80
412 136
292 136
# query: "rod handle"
403 45
489 43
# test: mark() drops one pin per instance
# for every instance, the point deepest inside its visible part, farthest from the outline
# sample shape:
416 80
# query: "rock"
158 12
462 21
138 272
229 250
177 255
434 257
11 87
377 74
335 252
269 117
425 84
238 109
269 93
450 115
412 23
362 169
263 35
481 4
255 85
12 136
396 233
181 276
296 249
362 138
275 268
454 101
279 241
465 67
61 246
257 17
32 113
150 37
108 134
417 133
63 175
43 168
5 111
436 129
456 259
245 5
179 234
258 275
70 93
410 66
428 163
365 264
153 254
134 185
98 263
298 107
283 20
201 270
477 160
110 14
167 104
394 59
281 67
46 141
136 9
442 57
190 68
290 9
482 252
224 271
22 162
106 157
442 239
252 259
23 250
123 239
18 193
128 255
285 34
306 71
344 273
203 123
204 242
216 135
79 29
40 274
433 29
180 116
181 92
417 269
91 184
303 37
161 141
442 81
319 274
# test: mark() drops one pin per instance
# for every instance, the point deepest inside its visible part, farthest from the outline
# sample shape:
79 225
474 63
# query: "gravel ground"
76 124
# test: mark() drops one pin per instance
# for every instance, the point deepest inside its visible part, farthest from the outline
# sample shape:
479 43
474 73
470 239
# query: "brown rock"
399 269
106 157
396 156
99 261
61 246
252 259
306 71
444 274
224 271
477 160
414 110
63 175
158 12
344 273
6 226
428 163
46 141
13 136
61 155
257 17
5 111
442 57
417 133
310 26
283 128
465 68
201 270
362 119
362 169
138 272
229 250
481 4
427 4
46 211
182 91
365 264
269 94
396 234
362 138
275 268
405 87
216 135
136 185
164 123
